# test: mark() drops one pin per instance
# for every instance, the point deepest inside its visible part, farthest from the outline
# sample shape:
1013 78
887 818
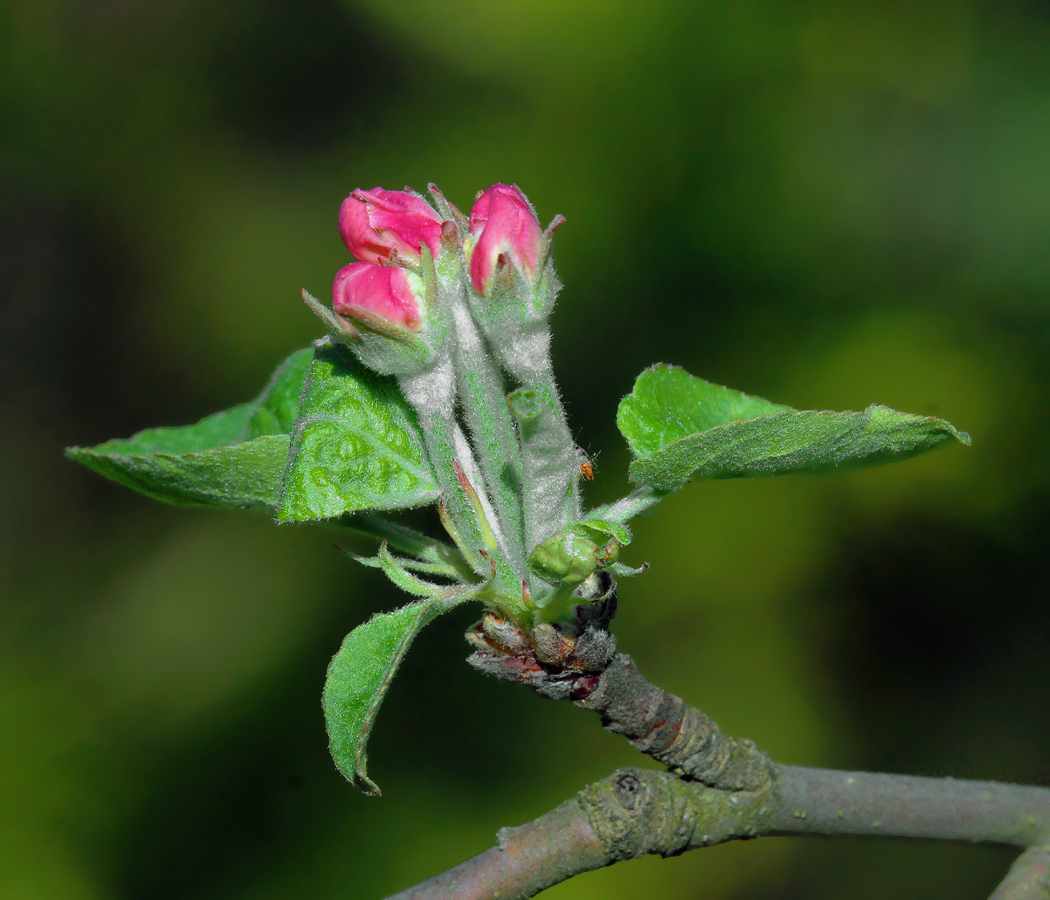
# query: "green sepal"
736 435
620 570
439 558
356 444
397 571
233 459
380 344
600 529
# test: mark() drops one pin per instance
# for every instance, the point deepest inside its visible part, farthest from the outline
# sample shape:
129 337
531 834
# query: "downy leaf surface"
233 459
680 427
356 444
359 677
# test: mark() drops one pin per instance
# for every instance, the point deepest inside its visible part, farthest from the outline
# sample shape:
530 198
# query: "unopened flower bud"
389 329
365 292
565 558
505 232
378 226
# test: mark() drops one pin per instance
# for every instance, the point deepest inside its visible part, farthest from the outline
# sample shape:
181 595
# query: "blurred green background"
826 204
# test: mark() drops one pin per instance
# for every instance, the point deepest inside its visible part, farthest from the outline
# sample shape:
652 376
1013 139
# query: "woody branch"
721 789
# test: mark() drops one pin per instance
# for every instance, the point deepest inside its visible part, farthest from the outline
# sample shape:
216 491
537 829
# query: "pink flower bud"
364 292
503 224
377 223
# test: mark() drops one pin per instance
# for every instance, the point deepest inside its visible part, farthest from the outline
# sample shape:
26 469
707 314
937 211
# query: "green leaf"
232 459
736 435
356 444
278 405
358 678
668 404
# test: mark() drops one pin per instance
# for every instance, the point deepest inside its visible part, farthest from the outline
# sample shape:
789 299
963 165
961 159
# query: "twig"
592 673
718 789
826 801
525 861
672 732
1028 878
636 812
655 721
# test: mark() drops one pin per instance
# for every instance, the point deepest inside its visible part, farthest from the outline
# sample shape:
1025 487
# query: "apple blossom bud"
514 287
363 290
381 226
565 558
505 231
383 315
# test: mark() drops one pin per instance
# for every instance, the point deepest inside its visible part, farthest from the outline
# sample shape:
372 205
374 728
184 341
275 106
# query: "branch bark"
718 788
672 732
1028 878
635 812
825 801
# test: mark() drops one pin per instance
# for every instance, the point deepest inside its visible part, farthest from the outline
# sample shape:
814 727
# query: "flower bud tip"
385 295
376 223
506 232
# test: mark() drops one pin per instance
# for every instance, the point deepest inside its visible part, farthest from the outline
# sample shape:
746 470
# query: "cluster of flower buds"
400 241
445 301
384 304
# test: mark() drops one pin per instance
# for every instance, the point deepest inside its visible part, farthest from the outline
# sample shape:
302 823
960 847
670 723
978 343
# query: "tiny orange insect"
587 470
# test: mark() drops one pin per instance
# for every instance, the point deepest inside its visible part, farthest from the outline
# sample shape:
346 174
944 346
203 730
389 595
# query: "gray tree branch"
718 788
1028 878
672 732
636 812
826 801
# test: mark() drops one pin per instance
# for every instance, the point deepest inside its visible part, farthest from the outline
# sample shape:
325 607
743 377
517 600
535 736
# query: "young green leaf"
358 678
232 459
668 404
356 444
680 426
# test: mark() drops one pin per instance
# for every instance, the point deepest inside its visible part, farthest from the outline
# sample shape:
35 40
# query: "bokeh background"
826 204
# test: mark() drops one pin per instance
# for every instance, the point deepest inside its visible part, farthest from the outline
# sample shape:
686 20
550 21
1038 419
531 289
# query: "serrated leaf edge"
947 427
84 455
